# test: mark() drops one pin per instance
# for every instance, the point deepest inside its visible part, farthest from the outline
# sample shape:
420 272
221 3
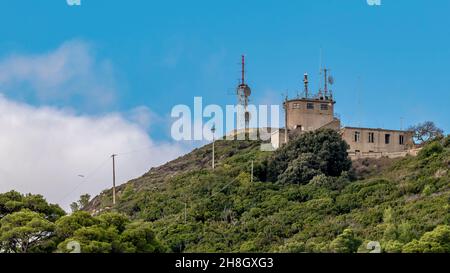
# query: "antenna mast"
305 81
243 92
325 90
243 70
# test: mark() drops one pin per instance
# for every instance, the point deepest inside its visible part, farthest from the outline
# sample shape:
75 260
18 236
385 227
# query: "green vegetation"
331 208
302 198
28 224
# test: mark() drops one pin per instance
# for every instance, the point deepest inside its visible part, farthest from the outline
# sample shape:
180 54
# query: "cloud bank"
45 149
71 73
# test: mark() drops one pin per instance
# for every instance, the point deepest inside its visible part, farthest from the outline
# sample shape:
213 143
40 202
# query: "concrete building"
317 112
376 142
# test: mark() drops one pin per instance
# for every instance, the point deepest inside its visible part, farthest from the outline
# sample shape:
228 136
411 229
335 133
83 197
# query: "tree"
312 153
138 237
425 132
74 207
92 239
81 204
67 225
301 170
436 241
345 242
13 201
84 200
108 233
24 231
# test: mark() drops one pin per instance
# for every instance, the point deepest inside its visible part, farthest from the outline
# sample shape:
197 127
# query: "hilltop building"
309 113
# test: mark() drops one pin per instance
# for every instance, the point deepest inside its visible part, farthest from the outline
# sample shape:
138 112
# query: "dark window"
387 138
310 105
401 140
357 136
371 137
324 107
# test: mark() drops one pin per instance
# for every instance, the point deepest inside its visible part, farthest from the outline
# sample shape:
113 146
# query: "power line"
84 177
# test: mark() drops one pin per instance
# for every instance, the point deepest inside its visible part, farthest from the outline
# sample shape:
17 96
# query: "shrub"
431 149
345 242
310 154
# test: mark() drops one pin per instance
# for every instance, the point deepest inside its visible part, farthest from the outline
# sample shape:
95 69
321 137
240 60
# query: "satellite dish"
331 80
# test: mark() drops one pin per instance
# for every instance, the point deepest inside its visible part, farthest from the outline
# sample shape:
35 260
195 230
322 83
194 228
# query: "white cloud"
44 149
71 72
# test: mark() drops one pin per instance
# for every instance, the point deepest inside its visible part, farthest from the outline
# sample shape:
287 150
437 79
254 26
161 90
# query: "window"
296 106
324 106
401 140
371 137
387 138
310 105
357 136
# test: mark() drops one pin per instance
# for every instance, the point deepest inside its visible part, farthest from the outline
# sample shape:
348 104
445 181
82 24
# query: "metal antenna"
325 90
243 70
305 81
243 93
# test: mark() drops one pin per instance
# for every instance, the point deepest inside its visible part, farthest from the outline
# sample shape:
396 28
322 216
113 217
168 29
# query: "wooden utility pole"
114 177
185 212
213 130
251 177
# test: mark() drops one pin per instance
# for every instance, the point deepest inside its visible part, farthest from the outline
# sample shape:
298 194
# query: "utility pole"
114 177
185 212
213 130
251 177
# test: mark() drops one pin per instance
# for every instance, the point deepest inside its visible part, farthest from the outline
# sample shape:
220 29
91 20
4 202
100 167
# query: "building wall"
378 143
298 114
278 138
335 125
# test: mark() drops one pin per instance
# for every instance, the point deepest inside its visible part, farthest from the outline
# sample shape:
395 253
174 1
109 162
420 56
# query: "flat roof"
375 129
311 100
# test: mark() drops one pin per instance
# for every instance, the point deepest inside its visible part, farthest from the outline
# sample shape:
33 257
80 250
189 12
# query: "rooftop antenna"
305 81
331 82
320 70
326 81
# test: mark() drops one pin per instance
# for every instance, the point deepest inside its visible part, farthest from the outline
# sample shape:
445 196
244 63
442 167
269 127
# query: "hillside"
193 208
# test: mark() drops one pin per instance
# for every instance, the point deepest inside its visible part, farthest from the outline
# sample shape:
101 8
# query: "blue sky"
389 61
131 57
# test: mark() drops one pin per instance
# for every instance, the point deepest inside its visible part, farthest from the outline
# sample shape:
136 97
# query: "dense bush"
309 154
404 206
